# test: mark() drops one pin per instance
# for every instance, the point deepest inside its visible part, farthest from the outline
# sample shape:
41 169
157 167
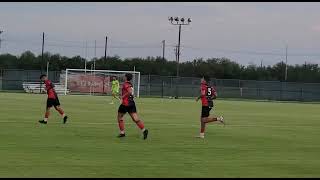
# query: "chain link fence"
170 86
164 86
12 79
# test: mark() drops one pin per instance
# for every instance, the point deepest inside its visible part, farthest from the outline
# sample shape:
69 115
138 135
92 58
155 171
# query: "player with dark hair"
208 93
128 106
52 100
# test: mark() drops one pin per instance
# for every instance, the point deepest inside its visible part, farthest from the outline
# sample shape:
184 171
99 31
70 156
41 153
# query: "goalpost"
86 81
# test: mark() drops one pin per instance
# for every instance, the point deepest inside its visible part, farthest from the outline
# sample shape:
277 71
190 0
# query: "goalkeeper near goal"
115 85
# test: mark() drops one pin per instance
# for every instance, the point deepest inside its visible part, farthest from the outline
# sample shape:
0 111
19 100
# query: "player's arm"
214 94
203 93
49 85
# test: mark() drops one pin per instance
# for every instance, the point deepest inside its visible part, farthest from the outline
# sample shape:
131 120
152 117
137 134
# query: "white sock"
63 115
202 134
143 129
45 119
121 132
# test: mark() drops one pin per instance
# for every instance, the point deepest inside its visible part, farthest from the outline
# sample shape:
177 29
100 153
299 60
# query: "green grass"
262 139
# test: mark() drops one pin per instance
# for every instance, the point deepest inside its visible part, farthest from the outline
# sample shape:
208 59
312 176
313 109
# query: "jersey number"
209 91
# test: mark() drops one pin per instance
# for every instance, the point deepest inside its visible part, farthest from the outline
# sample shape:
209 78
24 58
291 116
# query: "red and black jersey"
50 89
127 98
207 94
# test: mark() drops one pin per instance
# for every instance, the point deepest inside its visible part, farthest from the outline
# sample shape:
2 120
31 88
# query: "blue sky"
244 32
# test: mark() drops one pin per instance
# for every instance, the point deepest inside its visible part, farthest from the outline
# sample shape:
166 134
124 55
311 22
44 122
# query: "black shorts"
205 112
52 102
127 109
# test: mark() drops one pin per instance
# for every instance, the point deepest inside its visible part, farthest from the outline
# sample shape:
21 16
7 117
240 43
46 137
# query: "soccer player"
128 105
208 93
51 101
115 89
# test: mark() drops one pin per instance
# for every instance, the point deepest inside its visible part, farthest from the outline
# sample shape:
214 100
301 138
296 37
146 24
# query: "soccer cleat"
201 137
65 119
221 119
145 134
121 135
43 122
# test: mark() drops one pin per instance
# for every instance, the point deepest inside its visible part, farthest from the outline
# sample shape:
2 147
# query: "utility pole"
42 50
286 73
105 49
95 48
95 54
1 31
163 48
85 59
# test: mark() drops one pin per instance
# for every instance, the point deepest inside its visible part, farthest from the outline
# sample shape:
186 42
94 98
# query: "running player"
208 93
128 106
51 101
115 89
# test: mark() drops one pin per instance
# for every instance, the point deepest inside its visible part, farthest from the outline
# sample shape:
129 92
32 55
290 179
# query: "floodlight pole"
179 21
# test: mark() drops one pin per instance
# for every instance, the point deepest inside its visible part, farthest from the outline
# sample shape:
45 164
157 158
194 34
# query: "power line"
50 43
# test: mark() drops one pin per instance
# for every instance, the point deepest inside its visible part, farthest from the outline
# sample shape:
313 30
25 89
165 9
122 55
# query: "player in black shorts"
208 93
128 106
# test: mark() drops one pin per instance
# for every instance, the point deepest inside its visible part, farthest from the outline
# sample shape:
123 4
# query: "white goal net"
95 82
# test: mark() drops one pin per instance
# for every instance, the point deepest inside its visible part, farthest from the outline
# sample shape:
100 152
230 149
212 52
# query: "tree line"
221 68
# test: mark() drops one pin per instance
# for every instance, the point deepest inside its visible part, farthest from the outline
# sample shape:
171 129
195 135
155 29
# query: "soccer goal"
95 82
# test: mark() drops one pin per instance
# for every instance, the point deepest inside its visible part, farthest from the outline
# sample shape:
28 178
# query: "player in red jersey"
52 100
128 106
208 93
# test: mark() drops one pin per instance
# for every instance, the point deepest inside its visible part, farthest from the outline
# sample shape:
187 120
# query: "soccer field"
261 139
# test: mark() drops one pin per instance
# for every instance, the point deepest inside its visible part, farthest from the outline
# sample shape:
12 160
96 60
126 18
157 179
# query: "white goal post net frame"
135 80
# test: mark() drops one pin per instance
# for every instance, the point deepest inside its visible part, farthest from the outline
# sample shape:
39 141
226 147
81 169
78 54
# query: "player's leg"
213 119
202 128
207 119
121 124
112 98
47 113
61 112
120 118
116 95
205 112
134 116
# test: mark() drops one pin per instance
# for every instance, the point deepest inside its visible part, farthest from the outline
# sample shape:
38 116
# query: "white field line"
163 124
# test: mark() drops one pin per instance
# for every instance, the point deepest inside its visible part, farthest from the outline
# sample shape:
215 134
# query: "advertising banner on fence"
86 83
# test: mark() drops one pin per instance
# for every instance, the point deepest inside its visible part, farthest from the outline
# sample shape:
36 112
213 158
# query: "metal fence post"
162 88
149 85
301 93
